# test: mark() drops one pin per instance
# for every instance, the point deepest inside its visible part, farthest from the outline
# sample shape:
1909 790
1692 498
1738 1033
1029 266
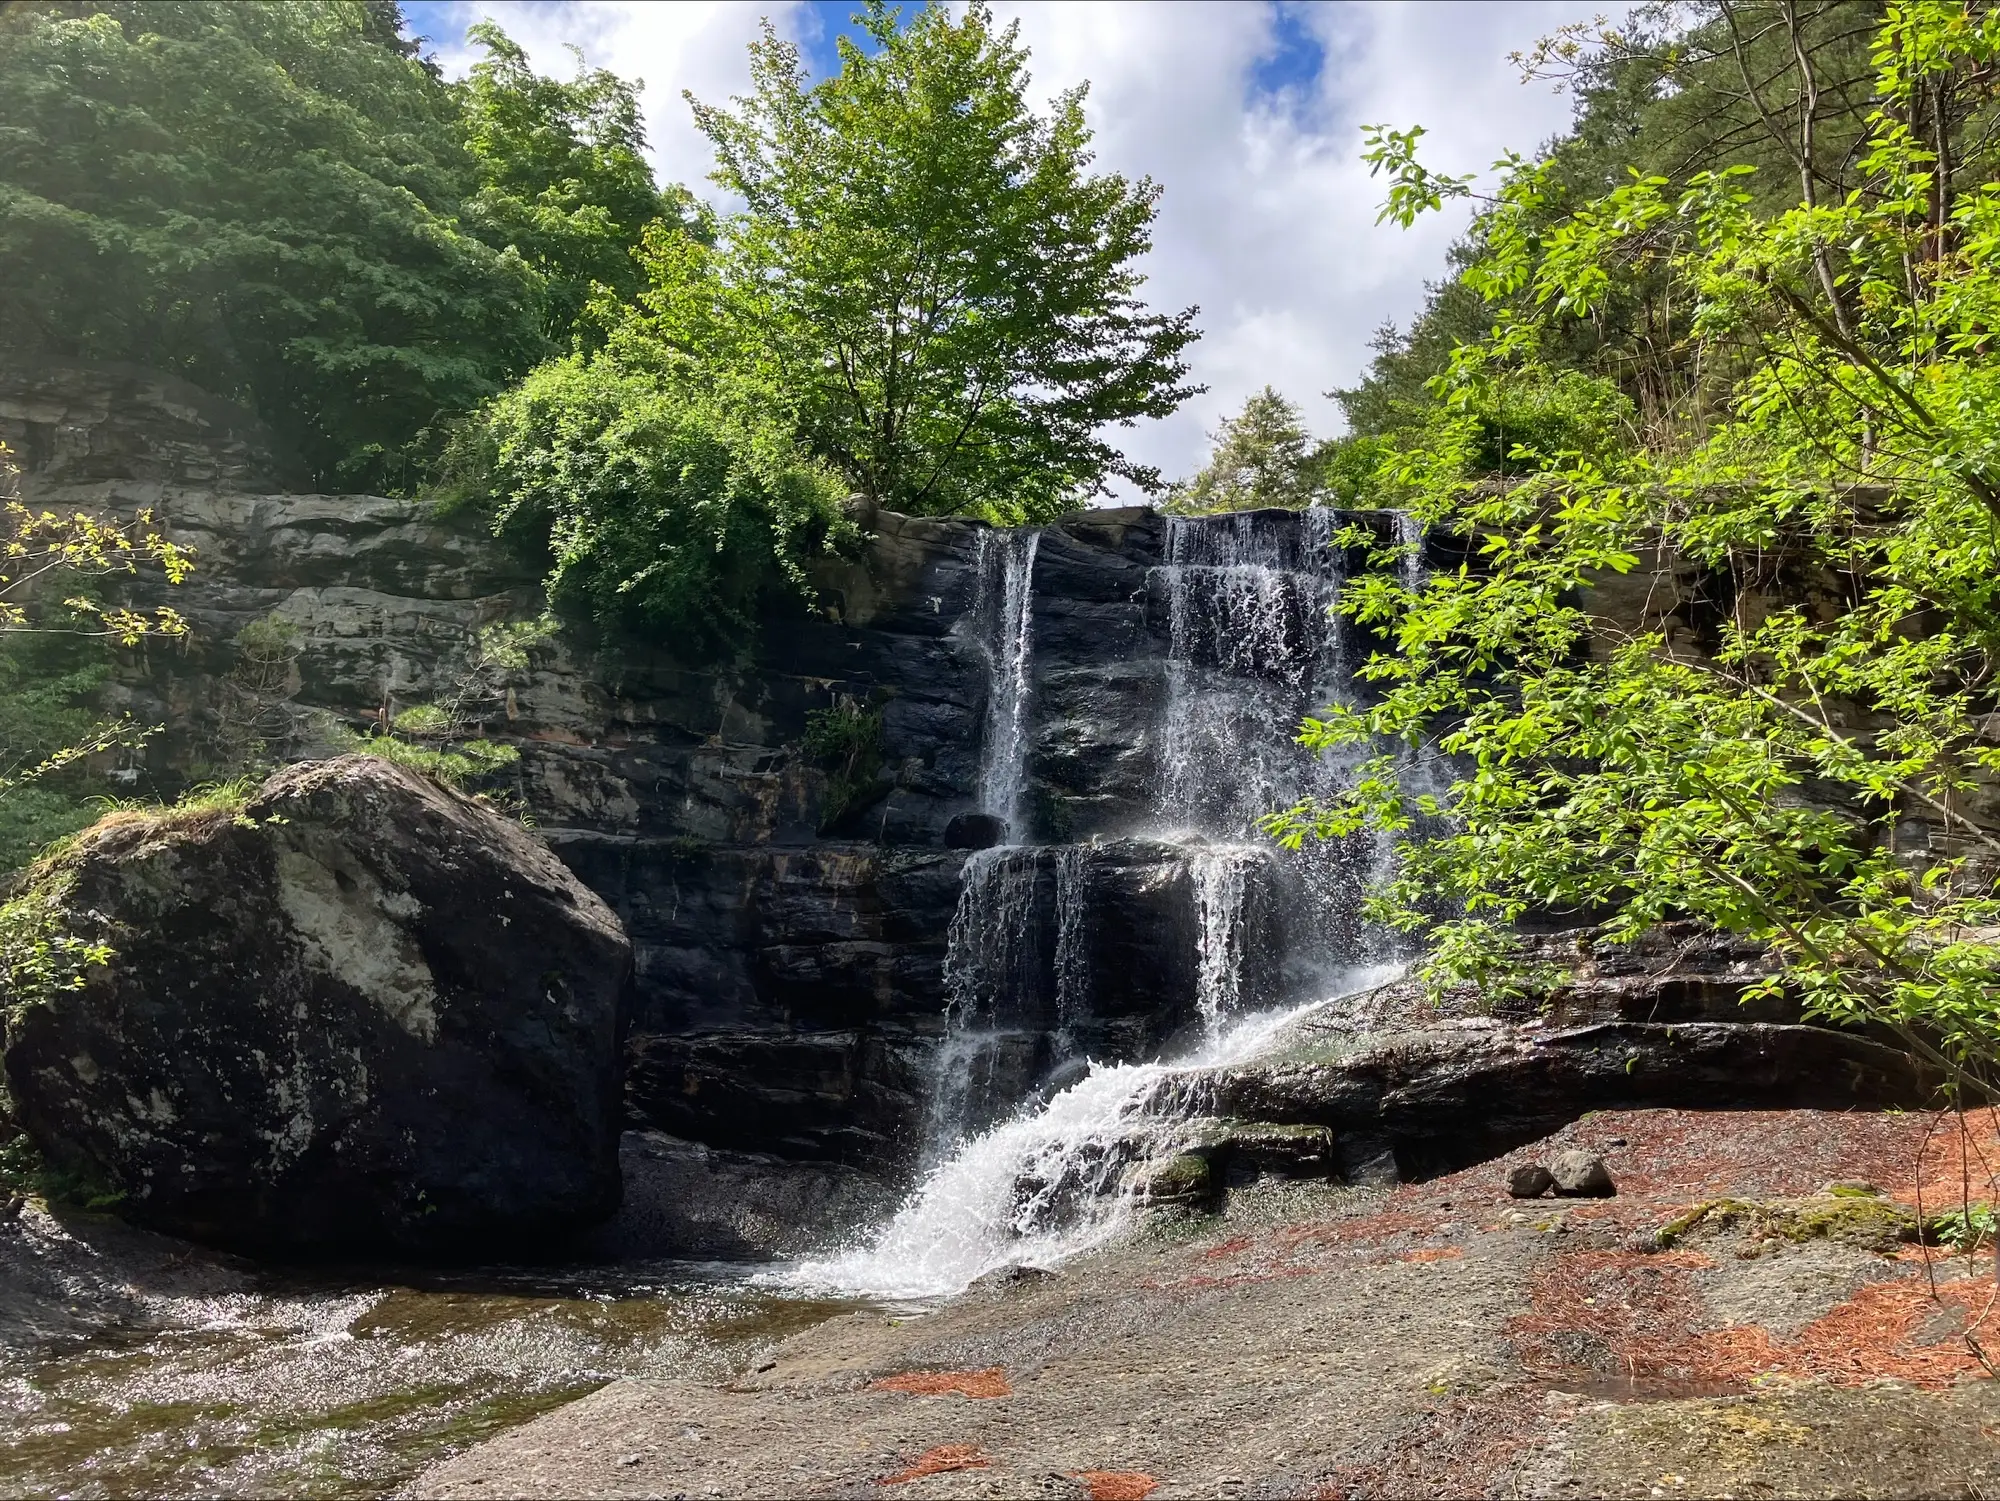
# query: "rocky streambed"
1433 1339
132 1364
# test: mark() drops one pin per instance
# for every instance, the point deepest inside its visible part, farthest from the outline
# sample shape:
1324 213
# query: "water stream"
347 1384
1006 607
1049 1183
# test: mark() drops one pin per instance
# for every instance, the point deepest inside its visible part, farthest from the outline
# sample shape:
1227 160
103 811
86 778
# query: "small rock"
1010 1276
630 1459
1185 1179
1946 1323
1581 1175
1529 1181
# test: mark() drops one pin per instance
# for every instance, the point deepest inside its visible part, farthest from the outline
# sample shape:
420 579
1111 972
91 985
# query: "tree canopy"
562 175
283 204
927 280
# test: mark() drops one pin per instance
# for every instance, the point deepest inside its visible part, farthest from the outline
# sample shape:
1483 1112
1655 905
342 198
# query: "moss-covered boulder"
1865 1221
353 1010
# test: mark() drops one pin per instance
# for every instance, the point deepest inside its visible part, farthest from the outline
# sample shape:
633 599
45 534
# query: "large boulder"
358 1011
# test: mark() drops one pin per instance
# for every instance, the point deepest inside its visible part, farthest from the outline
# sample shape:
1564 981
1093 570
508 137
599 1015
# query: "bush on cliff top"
662 514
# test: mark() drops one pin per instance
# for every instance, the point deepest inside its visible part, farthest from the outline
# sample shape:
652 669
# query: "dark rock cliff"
790 984
799 922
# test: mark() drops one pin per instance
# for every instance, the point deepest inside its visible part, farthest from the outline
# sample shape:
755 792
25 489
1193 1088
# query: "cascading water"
1072 944
991 960
1045 1185
1007 583
1220 877
1252 645
989 955
1410 550
1249 636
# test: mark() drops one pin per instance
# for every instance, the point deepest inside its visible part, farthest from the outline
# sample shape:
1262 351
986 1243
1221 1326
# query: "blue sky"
1248 114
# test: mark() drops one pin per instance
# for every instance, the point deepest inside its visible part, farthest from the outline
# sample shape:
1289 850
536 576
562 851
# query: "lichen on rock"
349 1009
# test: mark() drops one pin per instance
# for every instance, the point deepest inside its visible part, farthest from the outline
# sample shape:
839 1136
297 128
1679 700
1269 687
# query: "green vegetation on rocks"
1778 402
662 512
846 742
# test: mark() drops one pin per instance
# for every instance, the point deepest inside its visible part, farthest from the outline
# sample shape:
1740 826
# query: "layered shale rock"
1444 1097
355 1011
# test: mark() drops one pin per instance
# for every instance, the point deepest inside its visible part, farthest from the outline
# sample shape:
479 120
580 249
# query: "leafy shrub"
457 766
662 514
846 740
1347 467
1527 423
1962 1230
424 722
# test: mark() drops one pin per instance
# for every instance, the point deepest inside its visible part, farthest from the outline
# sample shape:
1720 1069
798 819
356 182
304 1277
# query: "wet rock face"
362 1012
689 1200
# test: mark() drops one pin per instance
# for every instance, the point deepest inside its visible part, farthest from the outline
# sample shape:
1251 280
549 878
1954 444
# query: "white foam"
1055 1180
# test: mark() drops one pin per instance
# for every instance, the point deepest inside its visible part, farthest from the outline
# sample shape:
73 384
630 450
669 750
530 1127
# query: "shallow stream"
347 1385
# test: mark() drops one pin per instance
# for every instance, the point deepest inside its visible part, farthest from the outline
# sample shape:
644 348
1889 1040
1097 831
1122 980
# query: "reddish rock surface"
1437 1339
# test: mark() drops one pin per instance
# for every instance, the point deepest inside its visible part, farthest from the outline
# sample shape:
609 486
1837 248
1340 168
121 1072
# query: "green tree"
1670 90
282 203
563 177
1796 736
258 197
926 281
1263 456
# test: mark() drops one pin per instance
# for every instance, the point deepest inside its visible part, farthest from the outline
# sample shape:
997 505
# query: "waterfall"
991 967
1072 944
1252 644
991 960
1006 582
1410 551
1048 1183
1219 876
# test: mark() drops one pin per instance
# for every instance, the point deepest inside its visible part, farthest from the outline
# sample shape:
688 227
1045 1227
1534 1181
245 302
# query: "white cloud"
1267 220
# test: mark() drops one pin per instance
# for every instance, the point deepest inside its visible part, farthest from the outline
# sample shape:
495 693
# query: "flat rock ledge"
1436 1100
